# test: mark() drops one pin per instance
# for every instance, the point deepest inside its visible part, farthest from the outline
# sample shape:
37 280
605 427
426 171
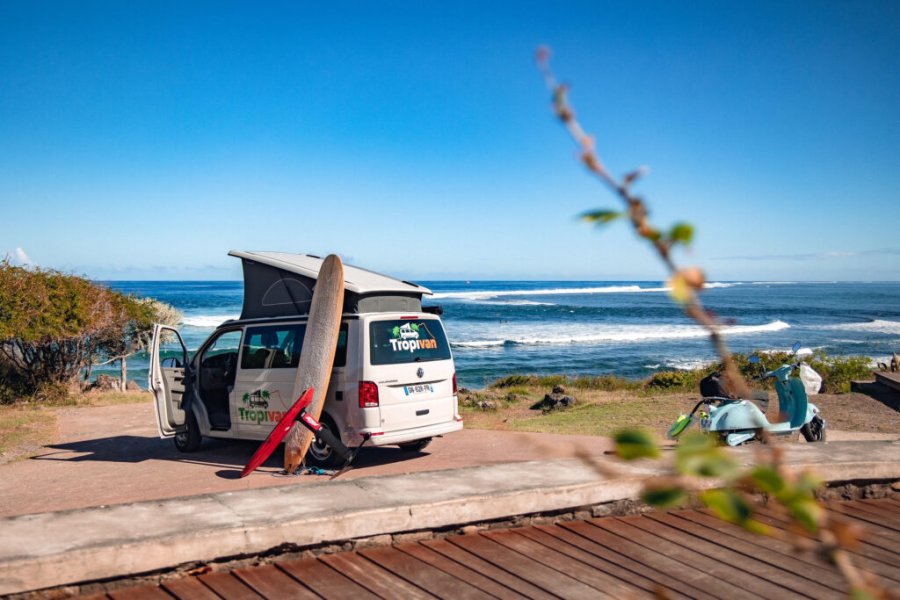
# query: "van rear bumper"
401 436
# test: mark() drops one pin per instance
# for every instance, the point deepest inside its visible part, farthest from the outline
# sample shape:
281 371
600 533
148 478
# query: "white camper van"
393 376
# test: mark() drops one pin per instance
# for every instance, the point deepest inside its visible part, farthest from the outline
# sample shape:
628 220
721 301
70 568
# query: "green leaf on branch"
767 479
601 217
698 455
728 505
807 512
635 443
682 233
665 497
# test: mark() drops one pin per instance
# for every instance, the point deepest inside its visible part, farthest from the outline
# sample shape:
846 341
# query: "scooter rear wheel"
814 431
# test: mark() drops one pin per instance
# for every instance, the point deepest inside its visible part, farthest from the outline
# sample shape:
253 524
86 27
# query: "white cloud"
19 258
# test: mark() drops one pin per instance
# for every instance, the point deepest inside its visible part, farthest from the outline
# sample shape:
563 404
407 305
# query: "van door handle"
422 413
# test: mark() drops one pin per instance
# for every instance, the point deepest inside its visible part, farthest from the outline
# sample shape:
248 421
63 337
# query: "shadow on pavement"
232 455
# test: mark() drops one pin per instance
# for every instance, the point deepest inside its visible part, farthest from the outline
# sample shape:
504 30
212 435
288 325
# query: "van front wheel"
321 454
189 439
416 446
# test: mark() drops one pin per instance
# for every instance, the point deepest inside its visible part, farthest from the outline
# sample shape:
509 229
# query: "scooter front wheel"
814 431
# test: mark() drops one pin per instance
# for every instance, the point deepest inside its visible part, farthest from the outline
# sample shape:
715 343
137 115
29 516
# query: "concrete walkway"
52 549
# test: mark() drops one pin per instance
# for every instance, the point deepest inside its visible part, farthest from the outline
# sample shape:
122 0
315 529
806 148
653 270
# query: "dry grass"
600 413
27 427
595 412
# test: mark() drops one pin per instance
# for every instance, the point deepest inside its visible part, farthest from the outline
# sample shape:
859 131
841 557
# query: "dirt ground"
111 454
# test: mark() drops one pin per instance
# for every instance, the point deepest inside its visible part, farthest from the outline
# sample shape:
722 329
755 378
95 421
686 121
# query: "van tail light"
368 394
455 387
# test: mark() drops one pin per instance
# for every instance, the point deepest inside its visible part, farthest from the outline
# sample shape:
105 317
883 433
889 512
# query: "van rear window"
404 341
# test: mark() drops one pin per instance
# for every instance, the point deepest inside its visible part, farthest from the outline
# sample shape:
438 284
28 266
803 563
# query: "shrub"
671 380
515 381
606 383
838 371
53 325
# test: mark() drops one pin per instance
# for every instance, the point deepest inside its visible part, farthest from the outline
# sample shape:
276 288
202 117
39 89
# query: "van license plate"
418 389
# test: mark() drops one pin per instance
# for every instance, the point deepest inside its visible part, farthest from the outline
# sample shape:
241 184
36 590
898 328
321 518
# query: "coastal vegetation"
837 372
54 327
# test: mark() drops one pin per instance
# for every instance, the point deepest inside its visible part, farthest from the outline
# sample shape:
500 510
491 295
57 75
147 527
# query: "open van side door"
167 380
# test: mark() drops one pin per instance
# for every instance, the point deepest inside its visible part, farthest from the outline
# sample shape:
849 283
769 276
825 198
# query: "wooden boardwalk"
891 380
687 553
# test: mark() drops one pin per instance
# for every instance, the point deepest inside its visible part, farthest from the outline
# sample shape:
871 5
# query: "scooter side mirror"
795 347
753 360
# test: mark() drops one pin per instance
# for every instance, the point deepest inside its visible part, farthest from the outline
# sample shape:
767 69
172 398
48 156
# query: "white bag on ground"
812 381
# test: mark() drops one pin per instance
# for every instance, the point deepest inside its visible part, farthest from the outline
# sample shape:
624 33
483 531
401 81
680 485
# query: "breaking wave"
531 335
876 326
207 321
482 295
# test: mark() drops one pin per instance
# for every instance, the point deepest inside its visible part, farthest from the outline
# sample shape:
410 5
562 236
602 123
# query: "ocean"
627 328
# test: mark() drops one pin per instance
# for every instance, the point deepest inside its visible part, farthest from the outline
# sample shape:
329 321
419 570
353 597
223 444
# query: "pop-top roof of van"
360 281
280 284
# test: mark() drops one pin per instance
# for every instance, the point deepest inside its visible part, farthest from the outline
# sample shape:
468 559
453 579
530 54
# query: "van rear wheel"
321 454
416 446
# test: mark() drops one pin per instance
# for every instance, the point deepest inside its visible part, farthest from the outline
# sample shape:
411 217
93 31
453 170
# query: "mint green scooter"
736 421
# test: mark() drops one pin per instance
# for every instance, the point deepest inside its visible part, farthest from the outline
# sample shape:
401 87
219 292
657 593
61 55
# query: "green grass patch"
604 418
24 429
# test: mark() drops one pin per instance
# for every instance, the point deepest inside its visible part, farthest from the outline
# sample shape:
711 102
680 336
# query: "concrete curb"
52 549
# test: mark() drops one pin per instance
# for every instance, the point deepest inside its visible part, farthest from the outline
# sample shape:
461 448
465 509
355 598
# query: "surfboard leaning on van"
393 376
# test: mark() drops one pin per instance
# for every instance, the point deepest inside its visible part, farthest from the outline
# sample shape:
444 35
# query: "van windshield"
399 341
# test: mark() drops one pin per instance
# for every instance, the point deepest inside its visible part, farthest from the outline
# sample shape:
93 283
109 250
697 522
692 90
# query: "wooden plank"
228 586
678 575
882 536
655 536
605 583
877 539
462 557
372 577
886 378
892 502
883 516
144 592
188 588
422 574
97 596
451 567
270 582
873 558
746 557
810 564
572 551
673 565
324 580
549 580
660 579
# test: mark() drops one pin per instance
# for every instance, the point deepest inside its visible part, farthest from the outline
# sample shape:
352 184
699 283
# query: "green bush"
515 381
674 380
838 371
53 326
606 383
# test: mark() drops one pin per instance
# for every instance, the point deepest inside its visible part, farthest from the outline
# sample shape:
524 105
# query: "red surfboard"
277 434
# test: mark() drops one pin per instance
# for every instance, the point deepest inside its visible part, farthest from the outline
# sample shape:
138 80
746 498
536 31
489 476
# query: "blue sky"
145 140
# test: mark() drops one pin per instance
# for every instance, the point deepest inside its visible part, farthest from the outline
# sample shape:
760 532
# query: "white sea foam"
687 364
717 284
518 303
482 295
207 321
876 326
490 294
529 334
